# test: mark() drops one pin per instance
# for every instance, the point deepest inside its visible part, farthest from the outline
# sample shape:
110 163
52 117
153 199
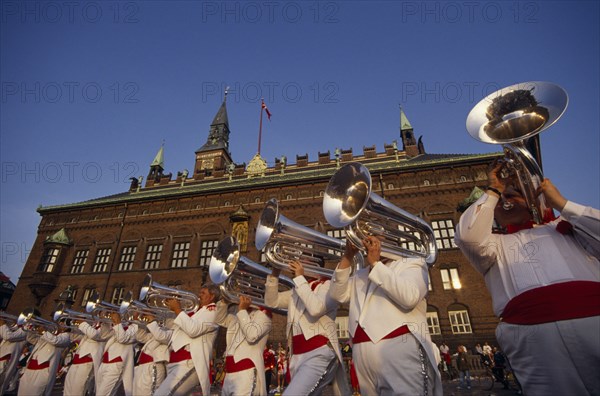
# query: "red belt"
145 358
552 303
115 360
81 360
179 356
5 358
33 365
361 336
302 345
232 367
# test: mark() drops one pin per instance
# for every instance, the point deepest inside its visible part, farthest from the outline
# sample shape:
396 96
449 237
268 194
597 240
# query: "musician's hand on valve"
494 179
373 247
297 268
174 305
554 198
244 303
115 317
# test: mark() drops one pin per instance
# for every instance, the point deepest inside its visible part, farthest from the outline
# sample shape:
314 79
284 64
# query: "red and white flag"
265 108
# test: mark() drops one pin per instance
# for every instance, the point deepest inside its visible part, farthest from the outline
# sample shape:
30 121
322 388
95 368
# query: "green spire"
404 123
159 159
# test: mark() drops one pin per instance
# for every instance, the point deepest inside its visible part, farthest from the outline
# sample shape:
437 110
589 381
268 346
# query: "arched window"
426 182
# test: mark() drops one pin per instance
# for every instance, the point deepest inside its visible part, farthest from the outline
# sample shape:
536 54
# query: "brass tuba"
63 314
130 308
513 116
284 241
155 295
101 310
350 202
237 275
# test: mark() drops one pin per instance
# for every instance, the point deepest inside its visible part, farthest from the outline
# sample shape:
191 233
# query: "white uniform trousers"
34 382
393 367
147 378
79 379
109 379
557 358
181 378
8 368
312 371
241 383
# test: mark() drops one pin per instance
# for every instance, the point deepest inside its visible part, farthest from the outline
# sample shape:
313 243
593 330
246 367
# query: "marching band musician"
190 343
84 367
11 344
151 368
392 350
316 357
544 283
40 372
117 360
247 333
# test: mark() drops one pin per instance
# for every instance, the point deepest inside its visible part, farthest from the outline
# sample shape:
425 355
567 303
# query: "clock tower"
214 155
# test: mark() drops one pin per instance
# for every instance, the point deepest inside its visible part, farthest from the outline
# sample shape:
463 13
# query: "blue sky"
91 89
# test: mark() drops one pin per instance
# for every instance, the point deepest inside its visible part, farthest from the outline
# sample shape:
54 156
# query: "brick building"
169 225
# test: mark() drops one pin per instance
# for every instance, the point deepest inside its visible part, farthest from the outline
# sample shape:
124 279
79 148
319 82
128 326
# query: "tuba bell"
350 202
237 275
156 295
284 241
513 117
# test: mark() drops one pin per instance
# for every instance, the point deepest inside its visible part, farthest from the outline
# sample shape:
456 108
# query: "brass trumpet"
155 295
101 310
62 314
32 322
134 311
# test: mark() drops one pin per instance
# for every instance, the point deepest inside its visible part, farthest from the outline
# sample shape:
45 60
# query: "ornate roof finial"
226 91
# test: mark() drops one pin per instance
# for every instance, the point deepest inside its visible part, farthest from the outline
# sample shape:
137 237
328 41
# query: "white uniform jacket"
386 297
247 334
159 350
122 344
199 331
310 312
48 348
12 340
93 342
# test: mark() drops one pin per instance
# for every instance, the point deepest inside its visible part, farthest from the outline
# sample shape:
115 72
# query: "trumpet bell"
517 112
28 318
155 295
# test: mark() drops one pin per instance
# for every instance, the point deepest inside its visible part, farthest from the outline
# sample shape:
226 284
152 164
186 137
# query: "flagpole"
260 125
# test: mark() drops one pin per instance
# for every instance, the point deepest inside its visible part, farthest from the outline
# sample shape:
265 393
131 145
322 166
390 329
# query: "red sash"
361 336
145 358
232 367
552 303
33 365
115 360
81 360
302 345
5 358
179 356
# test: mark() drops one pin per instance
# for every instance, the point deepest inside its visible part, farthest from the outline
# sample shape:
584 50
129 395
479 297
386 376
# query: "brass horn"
102 310
62 314
130 308
30 321
513 116
284 241
350 202
155 295
238 275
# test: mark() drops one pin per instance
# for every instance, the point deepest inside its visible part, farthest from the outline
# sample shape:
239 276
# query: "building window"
450 278
426 182
429 282
257 200
462 179
433 323
127 258
405 242
79 261
339 234
74 294
390 186
102 257
459 321
206 251
181 251
49 260
341 324
153 254
227 203
444 233
288 197
87 293
117 296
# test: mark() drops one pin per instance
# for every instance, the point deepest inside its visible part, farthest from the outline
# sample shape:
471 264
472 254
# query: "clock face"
208 163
